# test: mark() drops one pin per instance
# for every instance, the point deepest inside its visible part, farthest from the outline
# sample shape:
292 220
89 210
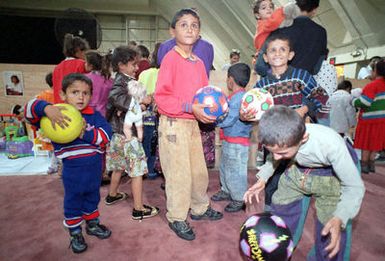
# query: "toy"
213 96
256 99
67 134
266 237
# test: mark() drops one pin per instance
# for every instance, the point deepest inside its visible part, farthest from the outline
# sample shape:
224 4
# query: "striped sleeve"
34 111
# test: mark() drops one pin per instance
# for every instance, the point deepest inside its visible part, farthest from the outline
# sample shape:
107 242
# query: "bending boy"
322 166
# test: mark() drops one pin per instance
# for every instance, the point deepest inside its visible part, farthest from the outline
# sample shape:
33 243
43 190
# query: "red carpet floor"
31 226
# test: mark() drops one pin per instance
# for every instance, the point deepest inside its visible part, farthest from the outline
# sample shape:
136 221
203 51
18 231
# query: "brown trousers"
184 167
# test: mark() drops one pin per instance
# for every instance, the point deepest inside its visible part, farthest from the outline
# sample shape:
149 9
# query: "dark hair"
257 5
15 77
373 62
73 44
182 12
282 126
99 63
122 54
307 5
345 85
380 68
240 73
69 79
154 56
279 36
143 51
48 79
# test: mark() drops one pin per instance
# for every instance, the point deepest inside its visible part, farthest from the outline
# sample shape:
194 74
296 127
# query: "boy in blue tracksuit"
235 143
82 158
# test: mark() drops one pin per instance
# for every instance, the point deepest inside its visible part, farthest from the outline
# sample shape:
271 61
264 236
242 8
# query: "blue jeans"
148 131
233 169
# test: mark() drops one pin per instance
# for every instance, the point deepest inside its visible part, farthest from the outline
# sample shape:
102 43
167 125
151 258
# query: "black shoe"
210 214
372 167
77 244
149 211
235 206
109 200
182 229
220 196
365 167
98 230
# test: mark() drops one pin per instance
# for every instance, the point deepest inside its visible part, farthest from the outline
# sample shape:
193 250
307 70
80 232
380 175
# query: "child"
269 19
74 48
100 75
289 86
181 74
148 79
370 136
342 113
235 145
322 166
82 158
124 62
47 95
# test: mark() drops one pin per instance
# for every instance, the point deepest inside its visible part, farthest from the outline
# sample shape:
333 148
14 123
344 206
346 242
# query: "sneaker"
109 200
235 206
78 244
152 175
98 230
220 196
182 229
52 170
210 214
149 211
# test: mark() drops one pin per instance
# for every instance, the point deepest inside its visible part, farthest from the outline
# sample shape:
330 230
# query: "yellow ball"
67 134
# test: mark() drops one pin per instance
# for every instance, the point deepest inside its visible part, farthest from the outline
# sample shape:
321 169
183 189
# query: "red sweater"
67 66
178 80
266 26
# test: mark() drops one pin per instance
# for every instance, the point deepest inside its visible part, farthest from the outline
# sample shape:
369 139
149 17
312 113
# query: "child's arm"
366 98
98 134
265 172
127 131
36 109
233 112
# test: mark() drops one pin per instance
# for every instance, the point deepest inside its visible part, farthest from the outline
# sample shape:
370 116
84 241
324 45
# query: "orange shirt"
46 95
266 26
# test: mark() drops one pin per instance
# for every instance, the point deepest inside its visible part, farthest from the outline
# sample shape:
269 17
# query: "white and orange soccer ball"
258 100
215 98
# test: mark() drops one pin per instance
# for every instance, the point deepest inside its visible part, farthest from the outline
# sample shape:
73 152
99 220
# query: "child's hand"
247 115
200 115
56 116
333 227
302 110
83 129
253 191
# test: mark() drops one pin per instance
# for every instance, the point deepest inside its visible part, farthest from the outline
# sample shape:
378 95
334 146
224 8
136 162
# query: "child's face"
78 94
130 68
283 152
265 10
278 53
186 30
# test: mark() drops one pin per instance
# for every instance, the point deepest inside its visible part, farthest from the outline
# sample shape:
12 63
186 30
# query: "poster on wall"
13 83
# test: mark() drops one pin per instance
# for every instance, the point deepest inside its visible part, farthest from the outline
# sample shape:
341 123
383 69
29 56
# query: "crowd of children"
302 160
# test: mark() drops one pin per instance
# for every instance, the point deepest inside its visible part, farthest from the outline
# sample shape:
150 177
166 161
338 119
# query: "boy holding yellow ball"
82 157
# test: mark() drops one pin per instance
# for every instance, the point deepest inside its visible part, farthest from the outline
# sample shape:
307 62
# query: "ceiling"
353 26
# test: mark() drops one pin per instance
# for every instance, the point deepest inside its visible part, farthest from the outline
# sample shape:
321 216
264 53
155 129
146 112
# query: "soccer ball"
266 237
257 99
213 96
69 133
